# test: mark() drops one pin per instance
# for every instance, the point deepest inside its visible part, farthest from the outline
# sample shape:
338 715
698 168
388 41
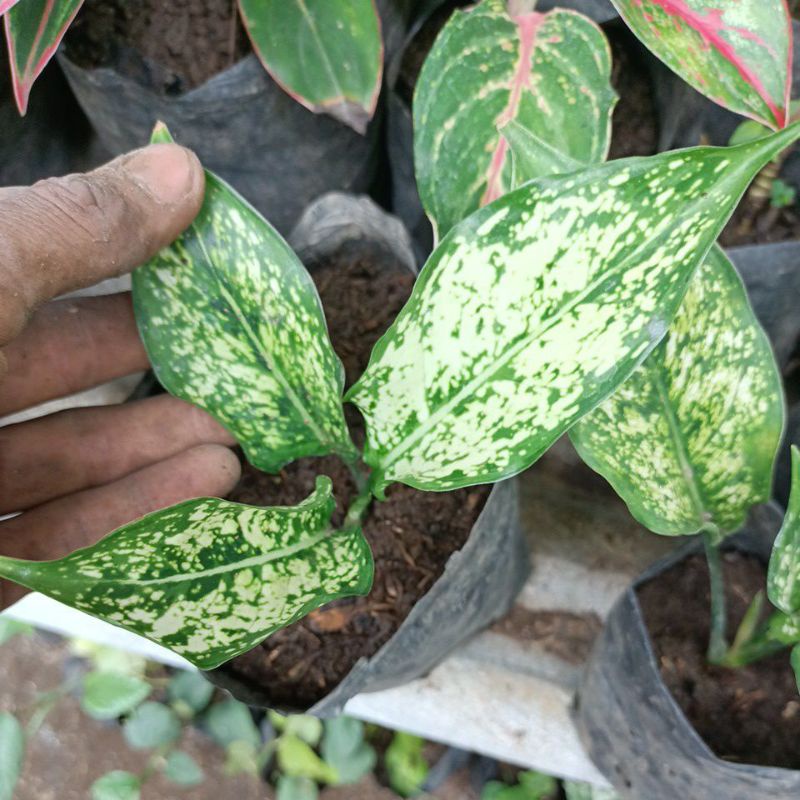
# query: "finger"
63 453
57 528
71 345
65 233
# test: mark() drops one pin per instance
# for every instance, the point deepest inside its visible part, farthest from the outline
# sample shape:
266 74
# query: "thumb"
65 233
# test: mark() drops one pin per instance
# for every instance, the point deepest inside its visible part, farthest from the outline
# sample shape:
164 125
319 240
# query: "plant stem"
358 471
358 508
717 644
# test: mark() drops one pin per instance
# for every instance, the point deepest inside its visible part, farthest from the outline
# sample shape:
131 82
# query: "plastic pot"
279 155
54 137
480 581
635 732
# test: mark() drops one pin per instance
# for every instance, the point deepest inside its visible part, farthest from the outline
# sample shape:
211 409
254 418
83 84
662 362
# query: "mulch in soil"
748 715
412 534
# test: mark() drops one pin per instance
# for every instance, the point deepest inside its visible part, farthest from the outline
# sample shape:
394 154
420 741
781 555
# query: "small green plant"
155 709
781 194
530 786
327 54
406 765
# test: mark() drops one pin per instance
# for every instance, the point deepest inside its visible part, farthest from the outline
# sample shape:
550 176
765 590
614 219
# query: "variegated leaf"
783 582
532 157
34 29
232 323
5 5
209 578
535 308
737 52
549 72
795 660
689 441
327 54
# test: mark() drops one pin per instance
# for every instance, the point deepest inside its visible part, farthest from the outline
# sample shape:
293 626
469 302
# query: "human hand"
78 474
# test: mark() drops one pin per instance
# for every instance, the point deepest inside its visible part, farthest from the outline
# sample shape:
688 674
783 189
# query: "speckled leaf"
209 578
232 323
783 582
534 309
795 660
549 72
34 29
327 54
689 441
737 52
532 157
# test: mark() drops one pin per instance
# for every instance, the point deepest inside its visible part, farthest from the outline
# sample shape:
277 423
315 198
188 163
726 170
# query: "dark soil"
634 125
190 40
560 633
412 534
749 715
755 221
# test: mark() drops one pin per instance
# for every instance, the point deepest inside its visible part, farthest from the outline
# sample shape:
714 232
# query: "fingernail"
167 172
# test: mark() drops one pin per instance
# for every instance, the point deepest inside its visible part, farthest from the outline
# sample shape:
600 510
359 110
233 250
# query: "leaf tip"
161 134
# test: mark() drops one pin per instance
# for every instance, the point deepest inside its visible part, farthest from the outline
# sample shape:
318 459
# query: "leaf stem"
357 468
359 507
717 644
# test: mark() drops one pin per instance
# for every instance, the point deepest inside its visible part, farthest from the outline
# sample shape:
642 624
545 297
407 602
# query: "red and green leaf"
548 73
737 52
327 54
34 30
5 5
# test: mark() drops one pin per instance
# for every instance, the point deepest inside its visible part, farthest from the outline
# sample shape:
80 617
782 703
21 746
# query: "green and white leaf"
209 578
783 628
783 580
327 54
536 308
232 323
690 439
532 157
108 695
737 52
795 660
548 72
12 753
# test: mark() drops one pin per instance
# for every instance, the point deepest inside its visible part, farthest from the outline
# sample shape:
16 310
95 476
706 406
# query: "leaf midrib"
253 561
679 446
269 363
478 380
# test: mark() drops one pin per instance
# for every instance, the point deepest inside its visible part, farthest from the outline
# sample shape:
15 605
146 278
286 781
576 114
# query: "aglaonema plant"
689 440
327 54
528 315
